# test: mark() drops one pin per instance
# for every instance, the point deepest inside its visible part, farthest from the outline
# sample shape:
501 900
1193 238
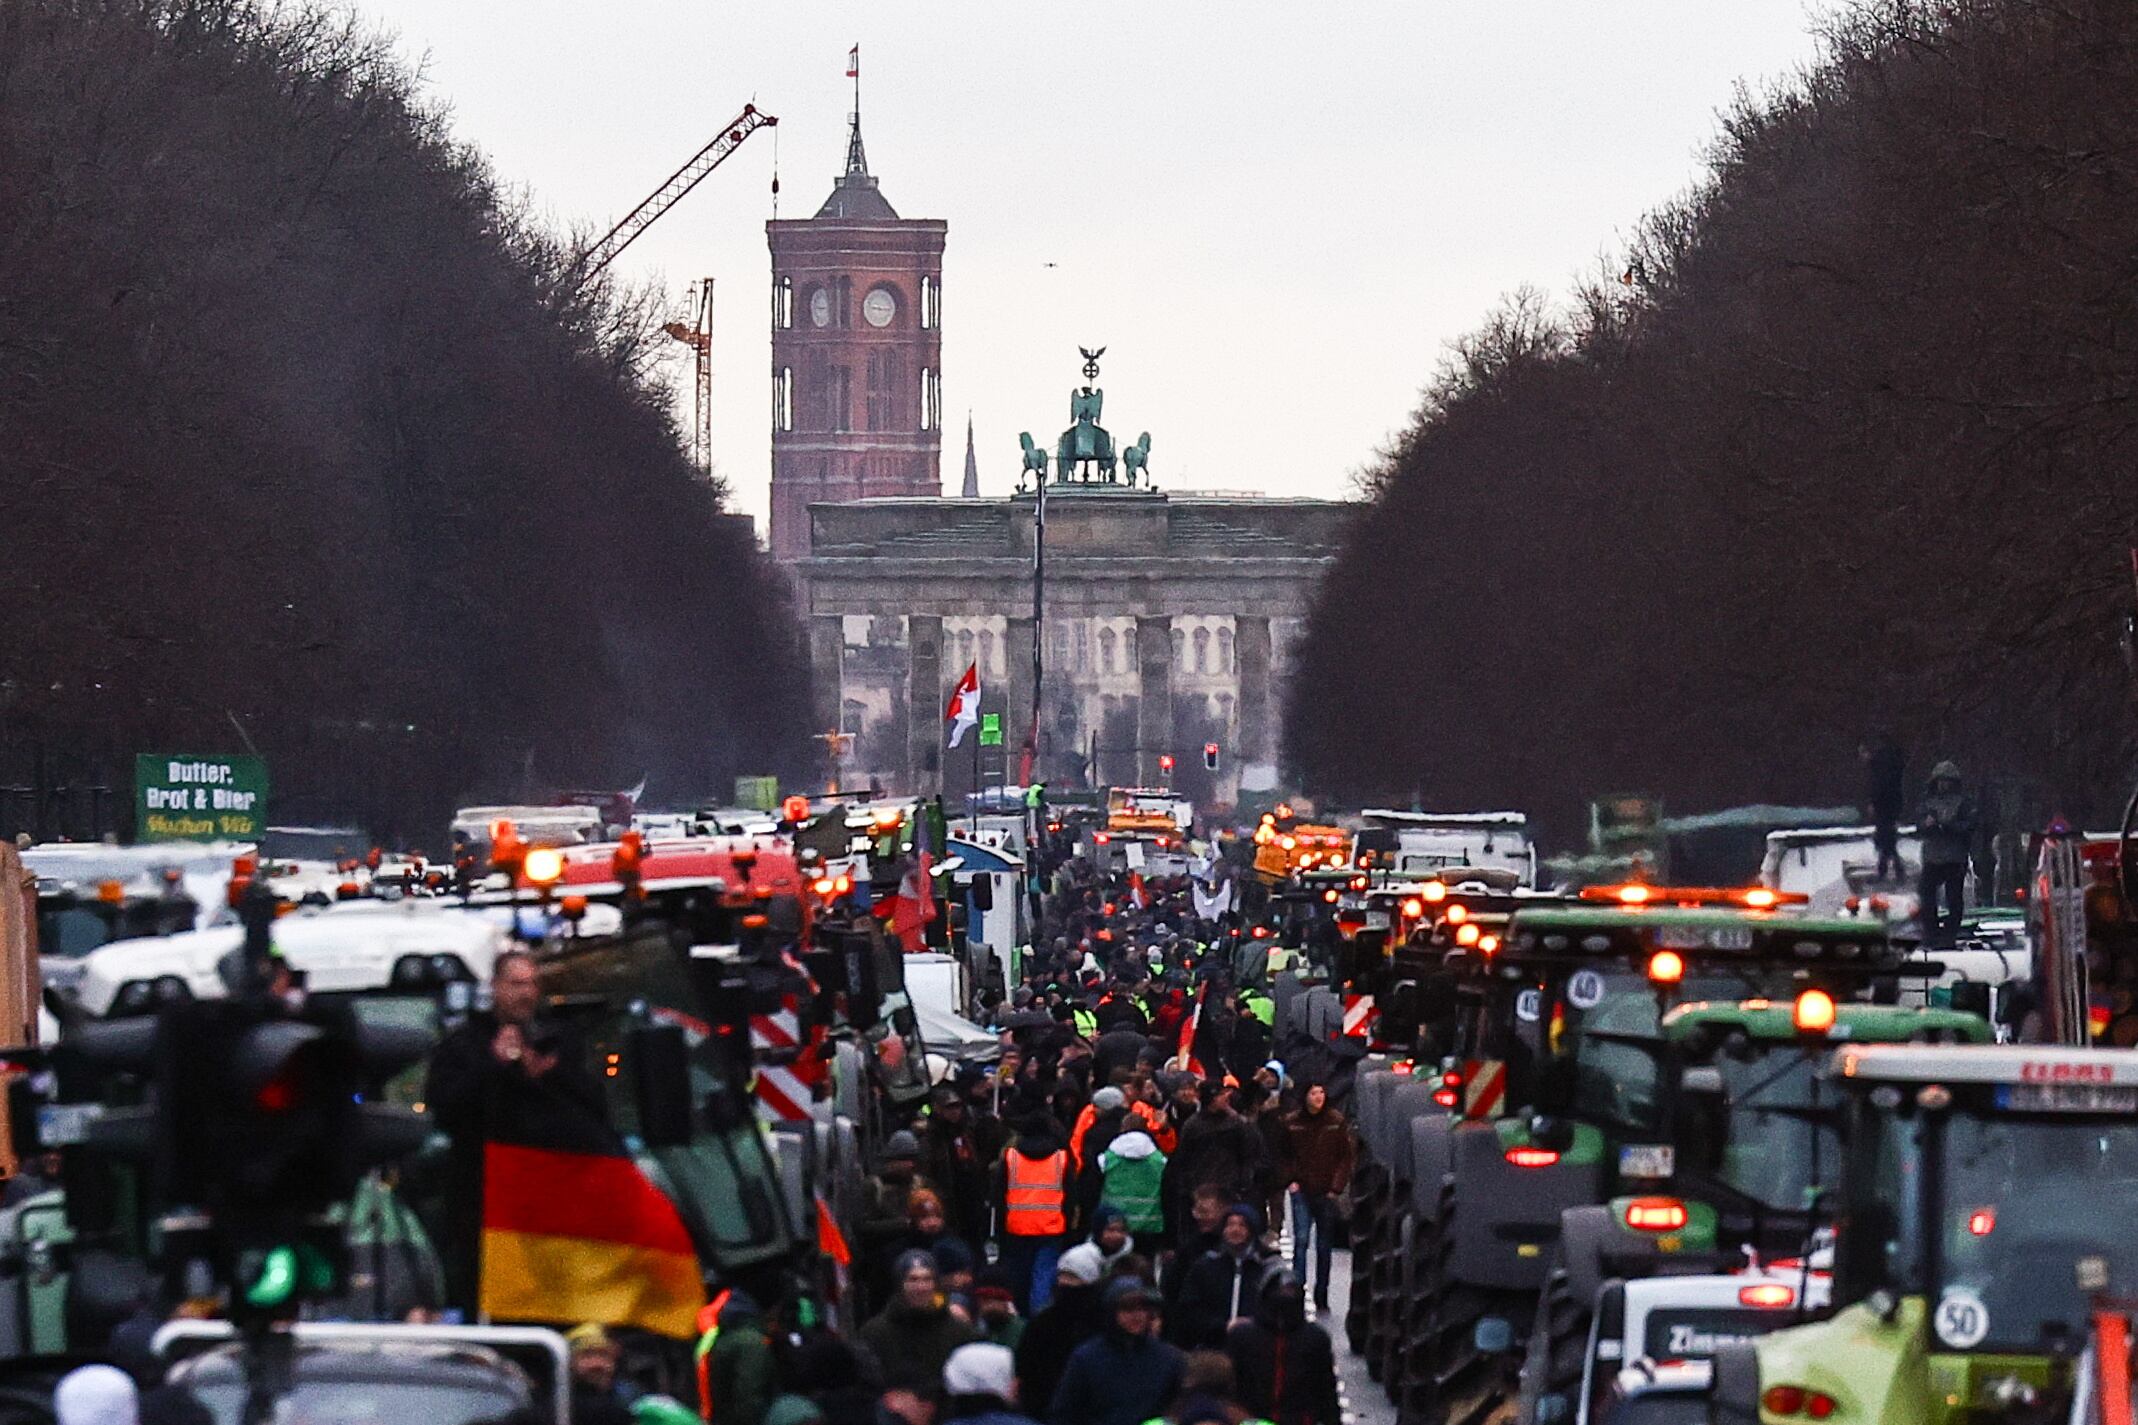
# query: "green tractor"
1986 1205
1756 1156
1563 1101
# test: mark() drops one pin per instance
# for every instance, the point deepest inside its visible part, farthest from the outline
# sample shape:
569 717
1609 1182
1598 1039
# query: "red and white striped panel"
785 1092
1484 1088
1361 1014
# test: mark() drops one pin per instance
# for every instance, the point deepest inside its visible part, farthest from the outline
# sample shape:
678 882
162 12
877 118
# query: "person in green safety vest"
1132 1171
1085 1020
1260 1005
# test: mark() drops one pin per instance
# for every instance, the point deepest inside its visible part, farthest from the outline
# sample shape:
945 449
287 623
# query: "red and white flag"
1185 1058
1137 896
964 708
853 62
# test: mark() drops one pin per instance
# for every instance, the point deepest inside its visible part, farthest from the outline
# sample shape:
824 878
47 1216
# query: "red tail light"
1655 1214
1767 1296
1795 1400
1532 1157
1446 1098
1982 1221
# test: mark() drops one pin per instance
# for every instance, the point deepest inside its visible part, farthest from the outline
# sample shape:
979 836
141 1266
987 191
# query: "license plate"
1647 1160
1731 937
66 1125
2069 1098
1377 920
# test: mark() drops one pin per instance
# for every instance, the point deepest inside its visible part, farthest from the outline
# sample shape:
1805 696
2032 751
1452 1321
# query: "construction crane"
699 338
602 253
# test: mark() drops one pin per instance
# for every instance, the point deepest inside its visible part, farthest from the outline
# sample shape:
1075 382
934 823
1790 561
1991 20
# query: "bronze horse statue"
1035 459
1136 460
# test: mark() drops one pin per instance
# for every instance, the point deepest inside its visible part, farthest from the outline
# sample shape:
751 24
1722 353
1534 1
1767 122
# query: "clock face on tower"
879 307
820 307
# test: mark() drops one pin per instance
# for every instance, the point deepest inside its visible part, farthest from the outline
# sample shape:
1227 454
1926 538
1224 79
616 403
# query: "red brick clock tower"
857 342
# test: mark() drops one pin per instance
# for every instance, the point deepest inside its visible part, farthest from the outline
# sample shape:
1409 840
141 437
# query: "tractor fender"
1375 1090
1406 1105
1429 1157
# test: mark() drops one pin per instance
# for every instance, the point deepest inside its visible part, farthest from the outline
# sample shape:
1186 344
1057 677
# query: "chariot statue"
1085 454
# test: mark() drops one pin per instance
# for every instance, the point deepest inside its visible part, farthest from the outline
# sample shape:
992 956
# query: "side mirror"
1701 1079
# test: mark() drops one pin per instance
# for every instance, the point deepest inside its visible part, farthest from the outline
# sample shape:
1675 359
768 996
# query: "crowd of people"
1084 1231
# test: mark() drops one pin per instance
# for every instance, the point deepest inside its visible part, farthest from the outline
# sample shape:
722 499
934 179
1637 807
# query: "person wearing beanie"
915 1332
980 1385
1286 1363
1069 1320
1209 1393
1223 1286
1125 1374
995 1309
1107 1101
96 1395
1109 1233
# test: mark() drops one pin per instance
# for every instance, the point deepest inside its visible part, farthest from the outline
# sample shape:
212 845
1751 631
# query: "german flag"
573 1231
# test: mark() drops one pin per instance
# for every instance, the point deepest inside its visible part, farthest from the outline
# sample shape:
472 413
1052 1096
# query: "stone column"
925 693
1257 734
827 656
1017 670
1154 694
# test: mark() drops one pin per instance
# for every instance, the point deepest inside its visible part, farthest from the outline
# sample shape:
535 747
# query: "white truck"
1428 843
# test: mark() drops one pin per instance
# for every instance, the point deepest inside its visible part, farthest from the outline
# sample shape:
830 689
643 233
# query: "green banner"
990 729
182 796
757 793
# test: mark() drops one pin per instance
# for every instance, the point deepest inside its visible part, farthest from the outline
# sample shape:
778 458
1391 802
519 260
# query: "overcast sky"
1274 216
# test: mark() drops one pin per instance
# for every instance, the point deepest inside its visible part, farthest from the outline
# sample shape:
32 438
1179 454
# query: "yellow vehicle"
1284 847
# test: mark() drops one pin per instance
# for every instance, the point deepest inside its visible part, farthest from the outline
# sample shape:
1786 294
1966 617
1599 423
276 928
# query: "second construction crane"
698 336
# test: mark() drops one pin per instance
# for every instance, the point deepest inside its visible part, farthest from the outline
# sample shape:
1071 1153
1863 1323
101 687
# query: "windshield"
1615 1081
2018 1232
1780 1133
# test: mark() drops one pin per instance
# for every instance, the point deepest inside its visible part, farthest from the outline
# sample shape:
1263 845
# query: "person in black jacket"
496 1067
1222 1286
1218 1147
1124 1375
1067 1322
1284 1363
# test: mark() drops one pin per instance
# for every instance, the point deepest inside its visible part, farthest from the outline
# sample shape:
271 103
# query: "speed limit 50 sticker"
1961 1320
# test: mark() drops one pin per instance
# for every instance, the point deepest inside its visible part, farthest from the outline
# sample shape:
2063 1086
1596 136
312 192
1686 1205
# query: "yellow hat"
589 1336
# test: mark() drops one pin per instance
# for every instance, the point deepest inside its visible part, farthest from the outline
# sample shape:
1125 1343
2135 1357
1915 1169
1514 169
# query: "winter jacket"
1218 1288
955 1161
1221 1148
1285 1374
1052 1336
912 1345
1116 1379
1946 819
1318 1151
1133 1173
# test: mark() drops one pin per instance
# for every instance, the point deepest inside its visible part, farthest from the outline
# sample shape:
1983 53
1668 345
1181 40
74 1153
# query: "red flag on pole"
853 62
964 708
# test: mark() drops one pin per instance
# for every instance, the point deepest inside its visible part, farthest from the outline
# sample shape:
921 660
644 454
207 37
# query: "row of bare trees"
1843 443
310 440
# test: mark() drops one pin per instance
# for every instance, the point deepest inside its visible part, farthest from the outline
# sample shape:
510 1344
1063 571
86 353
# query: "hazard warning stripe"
1484 1088
1360 1016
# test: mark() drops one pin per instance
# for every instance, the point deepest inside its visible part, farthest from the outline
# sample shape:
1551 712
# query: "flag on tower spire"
856 160
972 464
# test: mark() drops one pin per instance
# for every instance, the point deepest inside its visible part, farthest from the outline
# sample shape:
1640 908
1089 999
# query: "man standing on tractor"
1946 822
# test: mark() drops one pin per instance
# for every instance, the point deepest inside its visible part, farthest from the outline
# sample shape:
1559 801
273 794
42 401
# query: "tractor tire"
1558 1340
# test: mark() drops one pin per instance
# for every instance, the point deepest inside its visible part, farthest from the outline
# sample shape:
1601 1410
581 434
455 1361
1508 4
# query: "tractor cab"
1984 1217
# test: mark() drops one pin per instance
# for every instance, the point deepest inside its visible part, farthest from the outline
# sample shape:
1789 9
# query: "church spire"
972 464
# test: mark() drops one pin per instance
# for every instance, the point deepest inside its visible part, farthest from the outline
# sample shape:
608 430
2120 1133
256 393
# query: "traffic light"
1210 756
